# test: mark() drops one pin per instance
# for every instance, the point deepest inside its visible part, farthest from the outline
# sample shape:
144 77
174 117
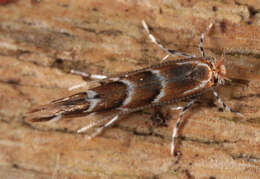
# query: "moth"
165 83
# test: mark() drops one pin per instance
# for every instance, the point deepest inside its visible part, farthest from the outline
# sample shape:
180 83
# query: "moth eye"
216 80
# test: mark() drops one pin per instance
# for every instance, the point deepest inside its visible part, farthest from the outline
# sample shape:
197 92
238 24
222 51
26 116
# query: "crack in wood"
205 141
246 157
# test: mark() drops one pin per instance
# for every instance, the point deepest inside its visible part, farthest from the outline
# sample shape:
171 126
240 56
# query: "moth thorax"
221 72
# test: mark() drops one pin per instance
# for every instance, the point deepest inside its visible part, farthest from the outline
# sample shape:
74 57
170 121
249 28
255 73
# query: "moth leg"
164 58
91 125
170 52
202 40
159 118
55 119
224 106
100 129
85 75
80 85
179 121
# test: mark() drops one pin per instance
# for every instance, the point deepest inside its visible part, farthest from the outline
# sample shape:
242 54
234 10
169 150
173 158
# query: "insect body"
163 83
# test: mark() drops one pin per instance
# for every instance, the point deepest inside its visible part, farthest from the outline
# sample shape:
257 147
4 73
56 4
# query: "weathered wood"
41 41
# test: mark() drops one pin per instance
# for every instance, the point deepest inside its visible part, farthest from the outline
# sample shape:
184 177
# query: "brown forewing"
163 83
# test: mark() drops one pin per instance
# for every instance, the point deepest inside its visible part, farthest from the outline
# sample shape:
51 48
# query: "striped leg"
91 76
91 125
179 121
164 58
86 75
202 39
170 52
55 119
224 106
100 129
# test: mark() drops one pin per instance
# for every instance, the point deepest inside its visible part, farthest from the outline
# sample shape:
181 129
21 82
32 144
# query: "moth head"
221 71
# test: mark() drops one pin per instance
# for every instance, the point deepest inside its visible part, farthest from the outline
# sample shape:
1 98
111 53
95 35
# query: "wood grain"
41 41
